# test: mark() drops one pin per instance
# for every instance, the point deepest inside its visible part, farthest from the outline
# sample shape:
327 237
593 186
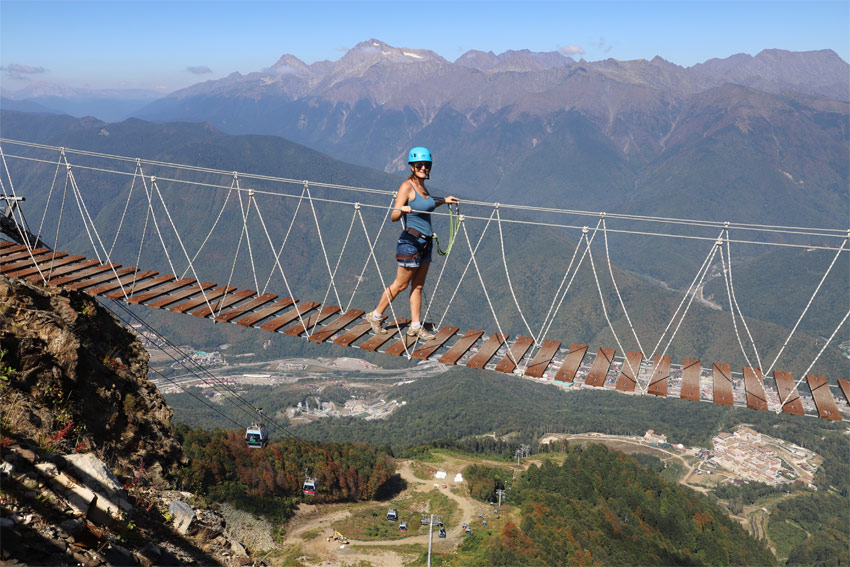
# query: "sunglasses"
422 165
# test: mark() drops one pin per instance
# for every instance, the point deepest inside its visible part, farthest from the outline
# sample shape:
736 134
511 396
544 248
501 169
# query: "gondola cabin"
257 436
309 487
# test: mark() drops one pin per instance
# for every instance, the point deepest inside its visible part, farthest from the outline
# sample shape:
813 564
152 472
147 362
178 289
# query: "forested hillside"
269 481
599 507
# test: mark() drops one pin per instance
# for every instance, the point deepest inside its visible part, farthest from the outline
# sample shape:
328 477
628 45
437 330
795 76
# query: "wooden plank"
7 247
404 344
460 347
201 300
538 365
571 364
28 261
691 370
69 269
374 343
24 254
288 317
82 274
140 287
722 383
182 294
486 352
844 385
514 354
660 375
249 305
753 384
335 326
50 268
312 321
161 290
352 335
627 380
107 275
599 369
267 311
126 282
429 348
786 389
221 304
824 402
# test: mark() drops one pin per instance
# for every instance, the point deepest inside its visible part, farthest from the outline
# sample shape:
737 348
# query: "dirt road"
312 524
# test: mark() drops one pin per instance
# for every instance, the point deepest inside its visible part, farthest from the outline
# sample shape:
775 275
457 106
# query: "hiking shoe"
421 333
377 323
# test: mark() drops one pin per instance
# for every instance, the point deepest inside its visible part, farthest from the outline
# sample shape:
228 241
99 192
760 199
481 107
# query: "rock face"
80 382
88 449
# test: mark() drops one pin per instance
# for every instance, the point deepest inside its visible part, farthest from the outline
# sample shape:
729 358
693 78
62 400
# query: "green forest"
600 507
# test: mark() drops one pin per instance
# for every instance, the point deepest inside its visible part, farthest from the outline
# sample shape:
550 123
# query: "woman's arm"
450 200
401 199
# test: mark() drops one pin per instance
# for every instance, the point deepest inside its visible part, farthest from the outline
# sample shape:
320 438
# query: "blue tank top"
420 217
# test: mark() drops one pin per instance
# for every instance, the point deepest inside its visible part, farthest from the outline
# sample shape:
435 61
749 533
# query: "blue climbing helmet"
419 154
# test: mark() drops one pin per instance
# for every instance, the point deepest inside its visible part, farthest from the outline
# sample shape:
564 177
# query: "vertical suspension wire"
706 265
238 243
277 263
474 251
339 259
277 255
321 242
806 308
508 277
735 300
49 194
371 245
87 219
484 287
217 219
203 292
696 283
19 225
124 212
549 320
604 307
617 289
732 311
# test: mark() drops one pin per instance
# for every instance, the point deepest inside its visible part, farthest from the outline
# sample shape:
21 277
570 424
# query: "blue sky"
170 45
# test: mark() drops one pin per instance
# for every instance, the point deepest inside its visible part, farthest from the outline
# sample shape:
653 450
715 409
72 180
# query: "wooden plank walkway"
320 323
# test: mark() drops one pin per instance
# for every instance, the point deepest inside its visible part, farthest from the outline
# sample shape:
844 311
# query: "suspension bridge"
287 264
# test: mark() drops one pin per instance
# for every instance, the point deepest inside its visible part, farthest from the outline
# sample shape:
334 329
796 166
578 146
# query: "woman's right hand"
406 209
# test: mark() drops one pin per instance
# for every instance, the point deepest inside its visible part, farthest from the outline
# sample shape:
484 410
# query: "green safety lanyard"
454 224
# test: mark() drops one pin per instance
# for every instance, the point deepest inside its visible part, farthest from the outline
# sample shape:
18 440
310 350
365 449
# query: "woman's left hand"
450 200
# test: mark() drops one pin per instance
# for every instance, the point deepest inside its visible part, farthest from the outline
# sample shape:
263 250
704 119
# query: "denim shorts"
412 251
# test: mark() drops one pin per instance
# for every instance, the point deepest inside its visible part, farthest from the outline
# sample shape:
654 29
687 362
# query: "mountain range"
760 139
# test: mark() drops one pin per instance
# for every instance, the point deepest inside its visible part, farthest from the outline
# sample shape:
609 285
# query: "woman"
413 253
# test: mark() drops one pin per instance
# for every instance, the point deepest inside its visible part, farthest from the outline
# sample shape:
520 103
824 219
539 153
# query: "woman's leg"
402 280
417 283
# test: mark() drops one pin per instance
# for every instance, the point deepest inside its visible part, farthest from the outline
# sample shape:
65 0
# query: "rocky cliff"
89 454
